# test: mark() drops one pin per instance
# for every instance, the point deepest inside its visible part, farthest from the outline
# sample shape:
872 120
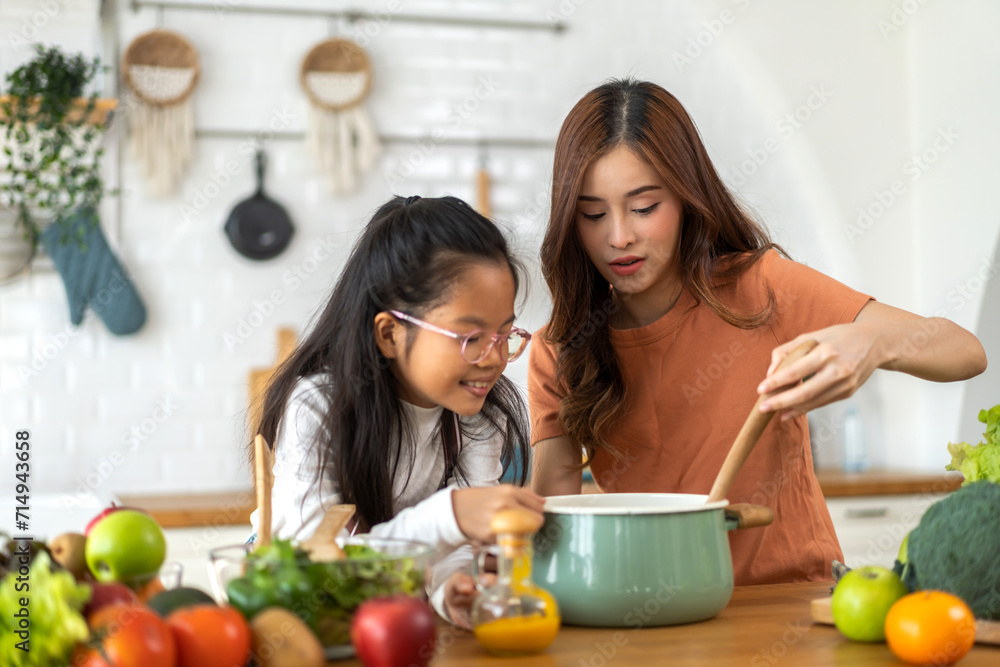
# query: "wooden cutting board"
987 632
259 378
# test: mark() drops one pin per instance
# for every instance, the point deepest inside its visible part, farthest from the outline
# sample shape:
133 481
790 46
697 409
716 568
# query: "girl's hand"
845 358
475 506
459 594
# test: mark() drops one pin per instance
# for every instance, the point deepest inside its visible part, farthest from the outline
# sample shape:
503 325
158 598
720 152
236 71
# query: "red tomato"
129 636
210 636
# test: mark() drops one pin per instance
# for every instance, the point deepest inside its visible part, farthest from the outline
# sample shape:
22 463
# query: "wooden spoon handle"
750 433
483 192
264 481
749 516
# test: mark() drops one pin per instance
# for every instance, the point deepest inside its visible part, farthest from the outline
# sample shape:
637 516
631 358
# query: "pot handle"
745 515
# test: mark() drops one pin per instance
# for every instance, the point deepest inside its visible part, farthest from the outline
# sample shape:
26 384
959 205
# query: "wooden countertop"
762 625
222 509
836 483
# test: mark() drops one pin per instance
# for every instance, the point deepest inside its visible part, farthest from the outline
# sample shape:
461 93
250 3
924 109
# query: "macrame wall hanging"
337 76
161 71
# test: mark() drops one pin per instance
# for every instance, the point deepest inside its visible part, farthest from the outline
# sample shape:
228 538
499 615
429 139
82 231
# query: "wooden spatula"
264 480
750 433
322 546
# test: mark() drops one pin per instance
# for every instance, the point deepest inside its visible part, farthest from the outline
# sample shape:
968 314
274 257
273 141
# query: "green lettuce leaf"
54 604
982 461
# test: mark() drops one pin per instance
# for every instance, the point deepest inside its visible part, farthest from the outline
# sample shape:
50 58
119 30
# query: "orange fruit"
930 627
147 589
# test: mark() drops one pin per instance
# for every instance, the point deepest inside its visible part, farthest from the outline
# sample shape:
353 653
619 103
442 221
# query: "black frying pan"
259 227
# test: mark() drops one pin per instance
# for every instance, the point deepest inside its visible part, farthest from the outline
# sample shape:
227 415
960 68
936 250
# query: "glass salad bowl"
323 594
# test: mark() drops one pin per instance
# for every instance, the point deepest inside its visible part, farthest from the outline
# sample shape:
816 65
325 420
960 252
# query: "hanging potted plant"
51 139
52 144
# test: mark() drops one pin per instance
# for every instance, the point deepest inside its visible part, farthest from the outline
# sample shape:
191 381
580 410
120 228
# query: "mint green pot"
638 559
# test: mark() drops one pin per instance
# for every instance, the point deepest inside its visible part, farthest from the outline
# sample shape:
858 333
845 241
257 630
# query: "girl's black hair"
408 258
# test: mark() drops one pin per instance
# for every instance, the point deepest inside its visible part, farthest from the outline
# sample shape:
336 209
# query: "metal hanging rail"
494 142
353 15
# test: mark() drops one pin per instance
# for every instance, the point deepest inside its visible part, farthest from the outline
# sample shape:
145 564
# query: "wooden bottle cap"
515 521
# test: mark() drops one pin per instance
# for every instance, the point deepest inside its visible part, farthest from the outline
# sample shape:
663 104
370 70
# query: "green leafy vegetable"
324 595
956 548
982 461
56 624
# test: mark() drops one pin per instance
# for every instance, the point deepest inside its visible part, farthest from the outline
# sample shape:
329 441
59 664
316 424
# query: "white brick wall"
88 390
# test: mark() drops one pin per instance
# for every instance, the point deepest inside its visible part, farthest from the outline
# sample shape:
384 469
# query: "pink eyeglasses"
476 345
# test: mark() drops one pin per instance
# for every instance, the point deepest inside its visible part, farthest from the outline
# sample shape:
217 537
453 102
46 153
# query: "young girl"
670 306
395 401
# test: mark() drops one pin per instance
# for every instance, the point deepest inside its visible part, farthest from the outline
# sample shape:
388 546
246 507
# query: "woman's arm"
555 468
930 348
881 336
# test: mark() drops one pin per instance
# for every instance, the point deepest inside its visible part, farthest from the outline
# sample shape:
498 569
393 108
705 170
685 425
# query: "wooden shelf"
836 483
98 115
200 509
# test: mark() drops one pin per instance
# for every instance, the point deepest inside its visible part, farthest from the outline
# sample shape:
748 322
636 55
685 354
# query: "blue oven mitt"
92 274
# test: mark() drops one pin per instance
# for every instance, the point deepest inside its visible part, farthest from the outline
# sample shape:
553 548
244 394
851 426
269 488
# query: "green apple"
861 602
126 546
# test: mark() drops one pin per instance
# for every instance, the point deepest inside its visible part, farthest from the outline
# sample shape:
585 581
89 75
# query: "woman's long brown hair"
719 241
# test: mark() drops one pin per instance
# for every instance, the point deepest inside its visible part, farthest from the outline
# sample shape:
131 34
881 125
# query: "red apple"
106 511
104 594
394 631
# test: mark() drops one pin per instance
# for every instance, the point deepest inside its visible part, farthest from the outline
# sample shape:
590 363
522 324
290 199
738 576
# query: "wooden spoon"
322 546
264 481
750 433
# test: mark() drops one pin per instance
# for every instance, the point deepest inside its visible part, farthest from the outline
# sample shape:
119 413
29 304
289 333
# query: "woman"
670 306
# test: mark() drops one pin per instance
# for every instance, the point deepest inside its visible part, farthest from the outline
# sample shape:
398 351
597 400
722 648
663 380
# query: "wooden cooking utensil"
987 632
264 480
750 433
483 185
259 378
322 546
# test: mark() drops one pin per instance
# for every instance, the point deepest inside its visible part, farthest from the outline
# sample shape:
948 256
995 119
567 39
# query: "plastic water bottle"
855 454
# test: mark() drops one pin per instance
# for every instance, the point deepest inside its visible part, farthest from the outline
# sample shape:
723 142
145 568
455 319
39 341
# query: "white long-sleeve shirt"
422 511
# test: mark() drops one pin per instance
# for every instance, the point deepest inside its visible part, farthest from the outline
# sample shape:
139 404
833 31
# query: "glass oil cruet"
513 616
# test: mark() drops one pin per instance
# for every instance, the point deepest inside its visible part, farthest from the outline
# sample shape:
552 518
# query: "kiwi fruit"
282 639
67 549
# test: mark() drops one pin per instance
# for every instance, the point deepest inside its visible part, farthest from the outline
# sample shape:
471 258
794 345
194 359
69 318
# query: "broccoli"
956 548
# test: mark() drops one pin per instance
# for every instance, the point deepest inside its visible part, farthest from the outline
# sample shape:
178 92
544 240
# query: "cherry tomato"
930 627
129 636
210 636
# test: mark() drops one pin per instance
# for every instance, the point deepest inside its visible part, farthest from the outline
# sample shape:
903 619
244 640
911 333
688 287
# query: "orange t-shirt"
691 380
